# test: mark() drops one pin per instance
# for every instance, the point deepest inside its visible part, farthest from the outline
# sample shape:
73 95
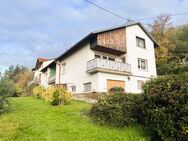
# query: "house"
119 56
42 72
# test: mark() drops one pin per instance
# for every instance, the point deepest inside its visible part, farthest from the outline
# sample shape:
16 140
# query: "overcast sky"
46 28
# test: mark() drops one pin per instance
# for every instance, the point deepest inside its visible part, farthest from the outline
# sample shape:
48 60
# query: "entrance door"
115 83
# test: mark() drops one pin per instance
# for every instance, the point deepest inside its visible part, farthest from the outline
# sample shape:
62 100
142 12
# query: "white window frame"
139 44
73 88
140 65
87 87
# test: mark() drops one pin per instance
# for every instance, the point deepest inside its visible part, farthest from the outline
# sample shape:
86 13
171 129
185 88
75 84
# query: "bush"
165 107
116 90
53 95
116 110
6 90
38 91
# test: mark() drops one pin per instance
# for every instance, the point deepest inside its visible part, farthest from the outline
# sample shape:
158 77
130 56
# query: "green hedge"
116 109
165 107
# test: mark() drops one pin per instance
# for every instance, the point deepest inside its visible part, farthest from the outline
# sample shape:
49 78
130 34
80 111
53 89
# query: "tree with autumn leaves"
172 55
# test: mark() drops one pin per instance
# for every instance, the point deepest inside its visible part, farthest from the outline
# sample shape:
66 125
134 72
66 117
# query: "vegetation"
165 107
54 95
6 90
116 109
34 119
172 55
20 76
116 90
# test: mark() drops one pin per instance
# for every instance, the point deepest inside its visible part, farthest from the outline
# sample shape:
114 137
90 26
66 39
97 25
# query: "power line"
117 15
128 19
171 15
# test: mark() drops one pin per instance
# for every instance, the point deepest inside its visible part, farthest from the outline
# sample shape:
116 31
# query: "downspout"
59 71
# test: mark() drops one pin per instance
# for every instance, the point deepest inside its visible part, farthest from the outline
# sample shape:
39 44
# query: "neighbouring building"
119 56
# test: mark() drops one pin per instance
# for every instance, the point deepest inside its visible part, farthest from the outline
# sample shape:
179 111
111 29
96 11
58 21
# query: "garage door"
117 83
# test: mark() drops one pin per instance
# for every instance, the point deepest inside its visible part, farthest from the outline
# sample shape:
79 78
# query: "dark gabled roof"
53 62
39 62
89 36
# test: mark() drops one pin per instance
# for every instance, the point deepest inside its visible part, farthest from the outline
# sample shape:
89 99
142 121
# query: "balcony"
102 65
51 79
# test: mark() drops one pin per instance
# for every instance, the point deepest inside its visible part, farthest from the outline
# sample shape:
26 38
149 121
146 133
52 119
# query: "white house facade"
120 56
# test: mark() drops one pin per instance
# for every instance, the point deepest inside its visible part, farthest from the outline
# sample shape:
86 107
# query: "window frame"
73 88
89 88
140 39
139 61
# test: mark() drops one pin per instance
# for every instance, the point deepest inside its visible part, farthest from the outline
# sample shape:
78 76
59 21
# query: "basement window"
73 88
87 87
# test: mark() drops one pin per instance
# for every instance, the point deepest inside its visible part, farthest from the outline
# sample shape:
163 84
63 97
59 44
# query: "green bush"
165 107
116 90
6 90
116 110
53 95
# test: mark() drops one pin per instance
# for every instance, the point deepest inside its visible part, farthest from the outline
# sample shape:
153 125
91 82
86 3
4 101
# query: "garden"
160 113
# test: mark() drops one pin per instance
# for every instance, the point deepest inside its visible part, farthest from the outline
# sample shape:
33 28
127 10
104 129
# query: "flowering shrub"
38 91
53 95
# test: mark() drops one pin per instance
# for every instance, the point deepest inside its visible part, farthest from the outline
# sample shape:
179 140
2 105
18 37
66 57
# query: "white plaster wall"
75 73
134 52
76 65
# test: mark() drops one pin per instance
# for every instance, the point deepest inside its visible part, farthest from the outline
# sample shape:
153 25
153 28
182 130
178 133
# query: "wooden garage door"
113 83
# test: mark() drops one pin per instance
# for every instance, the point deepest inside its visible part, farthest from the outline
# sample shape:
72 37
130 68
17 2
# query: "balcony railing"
104 65
51 79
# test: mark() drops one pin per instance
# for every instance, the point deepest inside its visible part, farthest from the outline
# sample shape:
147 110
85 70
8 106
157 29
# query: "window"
123 60
104 57
140 42
140 84
111 59
63 69
73 88
97 56
87 86
142 64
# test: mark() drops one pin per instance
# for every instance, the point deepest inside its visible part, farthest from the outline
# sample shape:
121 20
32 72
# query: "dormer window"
140 42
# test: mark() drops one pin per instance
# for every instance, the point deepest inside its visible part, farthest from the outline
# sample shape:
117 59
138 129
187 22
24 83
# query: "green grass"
36 120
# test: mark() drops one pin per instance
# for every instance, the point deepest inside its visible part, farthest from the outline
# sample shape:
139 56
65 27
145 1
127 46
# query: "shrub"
53 95
116 90
6 90
165 107
115 110
38 91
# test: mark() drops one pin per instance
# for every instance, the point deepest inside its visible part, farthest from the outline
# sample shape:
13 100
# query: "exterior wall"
134 52
76 63
75 73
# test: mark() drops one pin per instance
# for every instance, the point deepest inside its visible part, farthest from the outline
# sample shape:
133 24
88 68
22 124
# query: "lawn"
32 119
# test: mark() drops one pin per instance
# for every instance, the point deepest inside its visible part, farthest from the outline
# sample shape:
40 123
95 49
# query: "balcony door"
115 83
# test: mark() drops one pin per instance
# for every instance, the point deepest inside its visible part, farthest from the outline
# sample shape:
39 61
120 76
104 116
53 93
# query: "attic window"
140 42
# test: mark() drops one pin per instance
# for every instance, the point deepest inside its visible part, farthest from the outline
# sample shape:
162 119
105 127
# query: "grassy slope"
35 120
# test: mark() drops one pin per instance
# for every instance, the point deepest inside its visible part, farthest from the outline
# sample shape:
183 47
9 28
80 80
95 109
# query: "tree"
163 32
181 50
20 75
